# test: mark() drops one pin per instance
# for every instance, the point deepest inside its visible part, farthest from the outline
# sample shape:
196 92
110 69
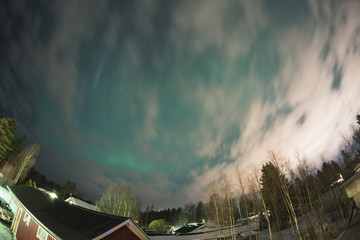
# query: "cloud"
90 177
305 83
189 90
151 112
228 26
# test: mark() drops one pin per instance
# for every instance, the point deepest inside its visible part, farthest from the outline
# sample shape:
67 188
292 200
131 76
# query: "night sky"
170 95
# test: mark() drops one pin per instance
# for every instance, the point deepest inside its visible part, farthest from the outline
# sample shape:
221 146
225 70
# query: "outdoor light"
53 195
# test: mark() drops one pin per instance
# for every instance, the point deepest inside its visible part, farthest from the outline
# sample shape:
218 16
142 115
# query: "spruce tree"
7 131
271 179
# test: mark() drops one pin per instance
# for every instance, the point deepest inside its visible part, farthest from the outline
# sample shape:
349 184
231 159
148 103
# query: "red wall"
123 233
50 238
26 232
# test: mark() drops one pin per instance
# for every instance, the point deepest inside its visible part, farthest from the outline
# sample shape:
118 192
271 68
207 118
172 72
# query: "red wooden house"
40 217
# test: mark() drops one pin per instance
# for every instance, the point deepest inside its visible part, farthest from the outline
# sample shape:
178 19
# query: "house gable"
66 221
122 233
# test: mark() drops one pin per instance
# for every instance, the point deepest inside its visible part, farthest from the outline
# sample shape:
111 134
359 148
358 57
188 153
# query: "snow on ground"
287 234
5 233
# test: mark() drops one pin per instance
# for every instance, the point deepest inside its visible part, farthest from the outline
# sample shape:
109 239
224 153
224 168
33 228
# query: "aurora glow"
167 95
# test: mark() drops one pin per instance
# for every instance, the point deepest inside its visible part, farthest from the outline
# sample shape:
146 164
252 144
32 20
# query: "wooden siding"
28 232
123 233
24 231
50 237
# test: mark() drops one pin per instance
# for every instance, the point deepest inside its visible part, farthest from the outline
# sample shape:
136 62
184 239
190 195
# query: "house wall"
25 232
123 233
28 231
50 237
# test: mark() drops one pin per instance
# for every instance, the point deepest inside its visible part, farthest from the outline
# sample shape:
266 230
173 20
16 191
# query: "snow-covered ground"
5 233
287 234
208 235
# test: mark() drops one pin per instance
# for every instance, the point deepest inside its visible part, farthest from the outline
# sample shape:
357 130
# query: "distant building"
41 217
80 203
192 228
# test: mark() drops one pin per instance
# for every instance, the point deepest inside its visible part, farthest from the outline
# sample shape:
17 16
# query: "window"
26 219
17 219
41 234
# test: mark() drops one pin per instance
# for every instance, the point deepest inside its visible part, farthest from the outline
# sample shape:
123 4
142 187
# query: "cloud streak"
189 92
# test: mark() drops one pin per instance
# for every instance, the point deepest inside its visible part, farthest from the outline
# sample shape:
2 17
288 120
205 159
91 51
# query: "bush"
159 226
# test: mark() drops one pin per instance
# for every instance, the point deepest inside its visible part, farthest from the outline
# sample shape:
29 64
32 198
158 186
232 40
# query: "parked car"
5 211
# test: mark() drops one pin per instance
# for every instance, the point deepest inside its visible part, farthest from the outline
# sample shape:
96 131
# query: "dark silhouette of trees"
68 189
17 145
271 179
7 131
200 212
175 216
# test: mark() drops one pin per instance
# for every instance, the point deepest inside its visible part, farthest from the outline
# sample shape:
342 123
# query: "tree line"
309 200
16 160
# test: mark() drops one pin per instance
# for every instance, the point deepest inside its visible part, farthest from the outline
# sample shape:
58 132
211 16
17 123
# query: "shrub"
159 226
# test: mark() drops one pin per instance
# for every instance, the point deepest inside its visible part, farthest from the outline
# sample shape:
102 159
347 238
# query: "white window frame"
38 233
16 220
26 219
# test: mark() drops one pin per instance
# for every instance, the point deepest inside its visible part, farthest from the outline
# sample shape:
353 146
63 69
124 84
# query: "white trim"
138 231
23 208
17 219
38 231
132 227
26 219
17 209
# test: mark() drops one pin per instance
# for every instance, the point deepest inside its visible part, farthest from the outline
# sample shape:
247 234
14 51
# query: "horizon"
169 96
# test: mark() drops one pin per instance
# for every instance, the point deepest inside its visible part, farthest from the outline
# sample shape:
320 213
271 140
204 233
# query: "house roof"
63 219
188 228
81 203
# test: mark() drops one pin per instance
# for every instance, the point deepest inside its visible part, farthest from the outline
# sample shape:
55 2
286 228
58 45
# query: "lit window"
41 234
26 219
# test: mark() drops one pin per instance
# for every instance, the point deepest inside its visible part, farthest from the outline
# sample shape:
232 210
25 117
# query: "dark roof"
188 228
63 219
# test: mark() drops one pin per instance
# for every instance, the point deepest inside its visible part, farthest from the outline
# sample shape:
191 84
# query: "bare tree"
214 201
25 160
252 192
304 171
121 201
228 196
243 193
258 185
280 162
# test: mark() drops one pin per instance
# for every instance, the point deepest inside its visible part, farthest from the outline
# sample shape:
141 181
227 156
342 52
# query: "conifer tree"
7 131
271 191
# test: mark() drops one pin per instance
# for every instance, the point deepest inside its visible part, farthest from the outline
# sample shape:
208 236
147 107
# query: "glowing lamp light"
53 195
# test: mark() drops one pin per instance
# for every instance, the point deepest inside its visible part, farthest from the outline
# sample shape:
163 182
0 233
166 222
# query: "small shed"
39 216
